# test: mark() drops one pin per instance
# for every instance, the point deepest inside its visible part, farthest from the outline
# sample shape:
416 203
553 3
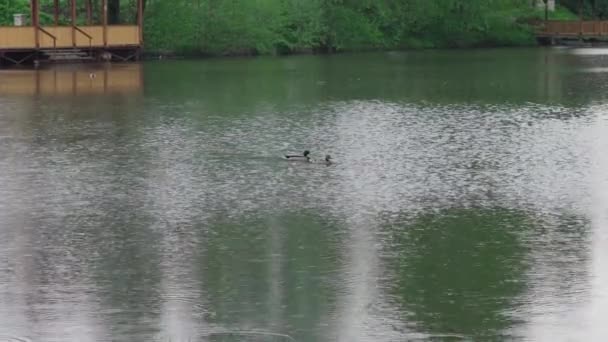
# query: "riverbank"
523 36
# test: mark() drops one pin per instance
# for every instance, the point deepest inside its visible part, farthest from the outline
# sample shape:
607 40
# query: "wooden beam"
56 11
140 21
580 15
73 16
33 12
36 21
89 13
104 20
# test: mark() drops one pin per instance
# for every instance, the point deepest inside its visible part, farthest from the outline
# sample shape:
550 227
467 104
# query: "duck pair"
305 157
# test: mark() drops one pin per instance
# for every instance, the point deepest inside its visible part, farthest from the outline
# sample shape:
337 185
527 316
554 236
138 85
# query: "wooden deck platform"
97 40
580 30
83 37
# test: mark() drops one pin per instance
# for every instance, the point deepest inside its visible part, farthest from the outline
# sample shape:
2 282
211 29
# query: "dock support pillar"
73 15
140 21
36 21
89 13
56 11
580 15
104 20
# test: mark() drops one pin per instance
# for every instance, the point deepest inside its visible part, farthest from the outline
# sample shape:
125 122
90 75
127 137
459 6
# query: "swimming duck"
326 161
303 157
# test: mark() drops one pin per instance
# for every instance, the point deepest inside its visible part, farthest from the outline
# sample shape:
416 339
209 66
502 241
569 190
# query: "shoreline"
153 55
164 55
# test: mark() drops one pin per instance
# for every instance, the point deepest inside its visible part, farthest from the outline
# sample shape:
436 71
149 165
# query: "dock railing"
78 29
41 29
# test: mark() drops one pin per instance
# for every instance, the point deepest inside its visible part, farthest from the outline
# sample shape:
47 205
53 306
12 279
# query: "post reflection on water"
463 205
275 277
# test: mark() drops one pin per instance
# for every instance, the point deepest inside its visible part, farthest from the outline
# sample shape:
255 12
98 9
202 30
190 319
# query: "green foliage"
291 26
560 13
126 13
10 7
591 9
231 27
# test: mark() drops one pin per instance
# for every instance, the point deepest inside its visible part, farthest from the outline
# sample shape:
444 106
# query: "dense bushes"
288 26
589 8
10 7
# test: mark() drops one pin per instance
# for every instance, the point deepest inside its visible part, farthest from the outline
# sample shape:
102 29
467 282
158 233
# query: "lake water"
468 199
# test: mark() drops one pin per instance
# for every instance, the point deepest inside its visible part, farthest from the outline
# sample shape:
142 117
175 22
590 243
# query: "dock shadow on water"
463 204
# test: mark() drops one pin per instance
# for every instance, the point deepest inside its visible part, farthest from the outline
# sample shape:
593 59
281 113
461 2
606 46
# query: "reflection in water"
125 268
536 76
463 203
280 266
70 81
459 271
559 279
598 296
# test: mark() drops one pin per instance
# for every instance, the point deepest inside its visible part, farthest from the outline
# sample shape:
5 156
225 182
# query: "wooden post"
73 15
89 13
33 12
35 21
104 20
580 15
546 15
56 12
140 21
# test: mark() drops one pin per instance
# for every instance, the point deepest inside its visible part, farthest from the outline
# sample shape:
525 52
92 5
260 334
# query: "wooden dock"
36 43
552 31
